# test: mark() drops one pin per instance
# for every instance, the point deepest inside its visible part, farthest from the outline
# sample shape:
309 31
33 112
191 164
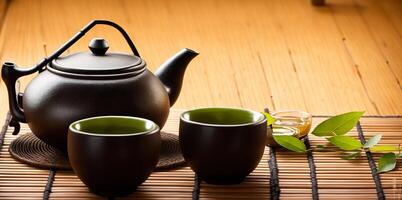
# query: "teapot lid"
98 61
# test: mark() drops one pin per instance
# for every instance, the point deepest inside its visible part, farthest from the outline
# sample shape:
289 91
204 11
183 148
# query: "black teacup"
112 155
222 145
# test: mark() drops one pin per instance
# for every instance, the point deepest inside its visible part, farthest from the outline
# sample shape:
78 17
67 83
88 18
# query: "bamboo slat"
3 7
371 60
312 33
392 9
386 36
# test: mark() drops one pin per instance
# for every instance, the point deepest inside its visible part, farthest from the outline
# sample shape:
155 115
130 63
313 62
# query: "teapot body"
55 99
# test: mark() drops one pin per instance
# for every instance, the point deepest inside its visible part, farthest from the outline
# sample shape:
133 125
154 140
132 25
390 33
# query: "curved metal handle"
116 26
40 66
88 27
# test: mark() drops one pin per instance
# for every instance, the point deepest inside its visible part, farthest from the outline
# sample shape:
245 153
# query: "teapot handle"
11 73
80 34
41 65
88 27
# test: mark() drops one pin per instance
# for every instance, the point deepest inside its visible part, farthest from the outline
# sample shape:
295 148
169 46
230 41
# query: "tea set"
105 111
96 83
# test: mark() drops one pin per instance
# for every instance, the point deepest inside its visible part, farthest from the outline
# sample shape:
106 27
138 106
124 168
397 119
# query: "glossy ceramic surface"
54 99
88 84
112 155
222 145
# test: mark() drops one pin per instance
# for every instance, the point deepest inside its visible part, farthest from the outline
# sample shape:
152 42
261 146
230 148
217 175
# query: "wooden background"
282 54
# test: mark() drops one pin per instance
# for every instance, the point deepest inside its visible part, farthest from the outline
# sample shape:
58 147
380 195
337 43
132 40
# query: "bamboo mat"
280 174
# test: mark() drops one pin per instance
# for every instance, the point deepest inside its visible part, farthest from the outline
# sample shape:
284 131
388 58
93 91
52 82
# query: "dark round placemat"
29 149
170 156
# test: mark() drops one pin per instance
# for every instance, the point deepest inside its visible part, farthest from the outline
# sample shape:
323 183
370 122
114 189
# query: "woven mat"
280 174
29 149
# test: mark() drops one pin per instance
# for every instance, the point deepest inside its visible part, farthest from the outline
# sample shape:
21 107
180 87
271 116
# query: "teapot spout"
171 72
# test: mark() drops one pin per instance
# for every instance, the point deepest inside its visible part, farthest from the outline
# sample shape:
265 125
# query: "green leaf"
386 163
345 142
290 142
372 141
337 125
320 146
352 155
270 119
383 148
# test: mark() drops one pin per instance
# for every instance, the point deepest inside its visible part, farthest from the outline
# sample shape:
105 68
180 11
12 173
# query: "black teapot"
87 84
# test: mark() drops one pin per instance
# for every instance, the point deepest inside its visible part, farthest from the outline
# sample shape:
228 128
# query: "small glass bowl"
294 119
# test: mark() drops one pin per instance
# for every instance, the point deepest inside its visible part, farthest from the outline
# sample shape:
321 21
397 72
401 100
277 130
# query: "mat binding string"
371 162
313 172
196 188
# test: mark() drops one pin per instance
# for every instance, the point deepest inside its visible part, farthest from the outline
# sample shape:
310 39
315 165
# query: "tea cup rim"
261 119
154 129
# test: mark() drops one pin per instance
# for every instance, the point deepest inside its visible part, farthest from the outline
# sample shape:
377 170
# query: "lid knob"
98 46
